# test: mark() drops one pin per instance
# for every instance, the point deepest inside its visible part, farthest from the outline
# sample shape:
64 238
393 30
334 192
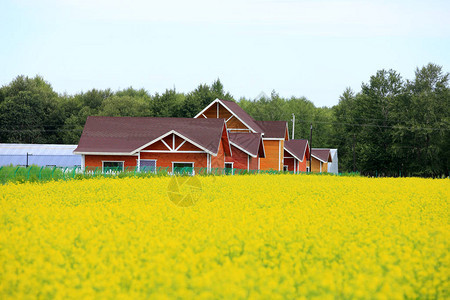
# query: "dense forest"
392 126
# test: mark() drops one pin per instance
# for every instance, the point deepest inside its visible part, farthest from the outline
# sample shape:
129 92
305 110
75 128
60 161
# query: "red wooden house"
247 149
121 142
273 133
296 154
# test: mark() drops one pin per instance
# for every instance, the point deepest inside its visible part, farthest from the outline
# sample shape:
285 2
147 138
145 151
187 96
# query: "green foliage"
394 126
29 111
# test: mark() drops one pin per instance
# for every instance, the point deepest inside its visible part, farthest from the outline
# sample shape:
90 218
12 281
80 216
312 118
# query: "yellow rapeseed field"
260 236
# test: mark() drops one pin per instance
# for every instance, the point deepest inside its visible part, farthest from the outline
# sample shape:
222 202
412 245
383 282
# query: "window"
285 168
113 166
183 168
147 165
229 168
307 169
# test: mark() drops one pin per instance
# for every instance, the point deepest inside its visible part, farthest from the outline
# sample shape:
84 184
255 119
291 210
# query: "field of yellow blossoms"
258 236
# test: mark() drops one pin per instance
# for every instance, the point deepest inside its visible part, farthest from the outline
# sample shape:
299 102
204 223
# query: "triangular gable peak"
173 142
236 118
298 154
323 155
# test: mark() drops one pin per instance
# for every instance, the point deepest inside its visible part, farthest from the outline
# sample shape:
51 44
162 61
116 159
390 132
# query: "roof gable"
323 155
250 143
236 111
297 148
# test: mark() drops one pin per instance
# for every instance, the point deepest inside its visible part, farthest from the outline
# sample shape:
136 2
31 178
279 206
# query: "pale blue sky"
298 48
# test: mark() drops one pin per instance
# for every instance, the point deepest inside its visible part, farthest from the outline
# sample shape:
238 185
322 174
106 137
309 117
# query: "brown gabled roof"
241 114
297 148
127 135
273 129
250 143
321 154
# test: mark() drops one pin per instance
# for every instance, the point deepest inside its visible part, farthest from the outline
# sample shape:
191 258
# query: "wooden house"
247 149
319 160
121 142
296 154
273 133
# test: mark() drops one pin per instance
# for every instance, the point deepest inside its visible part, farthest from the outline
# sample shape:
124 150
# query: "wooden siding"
289 161
300 165
165 159
219 160
274 157
211 112
189 147
225 114
315 165
157 146
169 140
178 141
239 158
96 160
236 124
253 163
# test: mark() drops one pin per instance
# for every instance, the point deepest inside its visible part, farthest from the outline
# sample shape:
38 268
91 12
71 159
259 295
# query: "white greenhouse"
333 166
43 155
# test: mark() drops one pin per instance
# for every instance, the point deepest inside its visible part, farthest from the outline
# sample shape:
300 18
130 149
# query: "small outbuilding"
320 158
247 149
296 153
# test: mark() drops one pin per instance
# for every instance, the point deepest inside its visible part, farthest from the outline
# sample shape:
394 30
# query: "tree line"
391 126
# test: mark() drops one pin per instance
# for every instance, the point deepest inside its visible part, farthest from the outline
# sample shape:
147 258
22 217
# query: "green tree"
344 134
423 123
125 106
374 111
168 104
29 111
76 109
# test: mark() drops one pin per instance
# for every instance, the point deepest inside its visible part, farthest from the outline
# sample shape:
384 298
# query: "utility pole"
354 154
293 125
27 159
310 149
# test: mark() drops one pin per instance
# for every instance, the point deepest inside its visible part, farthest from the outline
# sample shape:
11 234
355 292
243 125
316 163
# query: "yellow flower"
262 236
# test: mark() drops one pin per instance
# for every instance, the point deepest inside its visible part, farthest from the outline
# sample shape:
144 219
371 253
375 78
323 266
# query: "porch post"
83 162
139 162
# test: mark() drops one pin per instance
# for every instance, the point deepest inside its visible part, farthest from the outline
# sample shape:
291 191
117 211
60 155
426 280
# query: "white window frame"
183 162
287 168
119 161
